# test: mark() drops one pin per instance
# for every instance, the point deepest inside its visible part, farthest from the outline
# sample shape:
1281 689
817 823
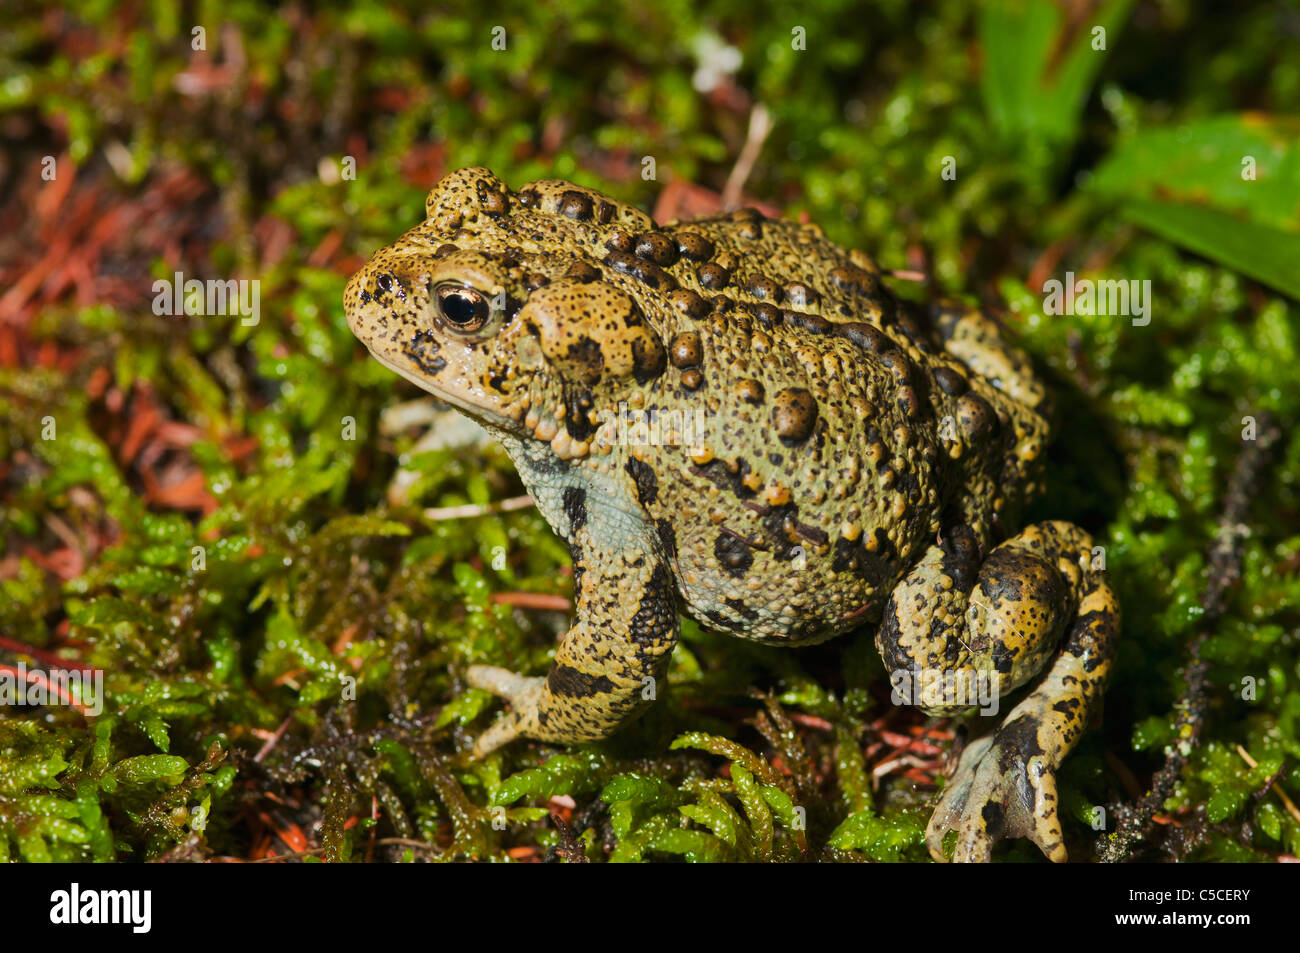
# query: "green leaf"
1037 76
756 809
713 813
1205 163
881 838
1266 254
145 769
728 749
1225 802
1226 187
559 775
344 527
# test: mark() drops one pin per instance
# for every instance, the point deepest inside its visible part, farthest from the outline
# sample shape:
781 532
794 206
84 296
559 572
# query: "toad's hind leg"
605 667
978 341
1035 602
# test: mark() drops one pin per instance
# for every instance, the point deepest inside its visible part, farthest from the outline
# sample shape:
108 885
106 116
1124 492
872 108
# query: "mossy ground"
233 726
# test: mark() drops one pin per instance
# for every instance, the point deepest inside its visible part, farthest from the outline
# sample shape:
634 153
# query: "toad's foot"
607 665
999 790
523 693
994 623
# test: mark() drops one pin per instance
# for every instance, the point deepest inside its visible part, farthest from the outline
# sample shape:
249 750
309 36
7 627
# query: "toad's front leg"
605 667
1034 602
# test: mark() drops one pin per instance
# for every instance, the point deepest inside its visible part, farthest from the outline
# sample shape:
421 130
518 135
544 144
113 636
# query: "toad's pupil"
462 307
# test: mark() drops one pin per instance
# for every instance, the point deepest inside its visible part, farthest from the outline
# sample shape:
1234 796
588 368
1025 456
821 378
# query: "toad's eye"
464 309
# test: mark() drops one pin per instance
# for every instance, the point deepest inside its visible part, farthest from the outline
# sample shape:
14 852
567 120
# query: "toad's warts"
861 460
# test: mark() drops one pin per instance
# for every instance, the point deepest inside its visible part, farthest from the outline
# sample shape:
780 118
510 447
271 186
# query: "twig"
44 655
1290 804
296 855
407 842
272 741
1225 571
760 124
478 509
37 677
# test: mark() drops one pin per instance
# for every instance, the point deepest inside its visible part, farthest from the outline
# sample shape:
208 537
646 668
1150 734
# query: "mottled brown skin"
861 461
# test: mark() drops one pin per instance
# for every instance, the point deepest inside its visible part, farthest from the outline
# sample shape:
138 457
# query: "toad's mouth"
461 399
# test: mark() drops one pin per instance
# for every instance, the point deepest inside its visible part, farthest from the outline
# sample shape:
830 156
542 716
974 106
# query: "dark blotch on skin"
994 817
586 355
853 279
577 419
750 391
689 303
852 557
657 616
646 272
620 241
695 247
1092 638
733 555
862 336
810 323
564 680
744 611
1067 706
667 536
660 249
950 382
575 205
726 478
961 556
648 361
577 416
575 507
575 557
975 417
647 484
490 200
1017 743
764 289
583 271
685 350
767 315
423 351
713 276
794 414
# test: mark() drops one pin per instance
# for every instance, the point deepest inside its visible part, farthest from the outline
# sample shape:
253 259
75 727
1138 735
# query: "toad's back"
816 426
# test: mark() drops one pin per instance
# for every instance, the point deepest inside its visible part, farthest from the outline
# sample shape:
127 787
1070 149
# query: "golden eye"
463 308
